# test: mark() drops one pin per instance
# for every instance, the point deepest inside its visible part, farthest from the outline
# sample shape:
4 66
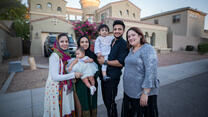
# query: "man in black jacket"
114 64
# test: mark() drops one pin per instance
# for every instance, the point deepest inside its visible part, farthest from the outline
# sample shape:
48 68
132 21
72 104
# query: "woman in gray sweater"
140 77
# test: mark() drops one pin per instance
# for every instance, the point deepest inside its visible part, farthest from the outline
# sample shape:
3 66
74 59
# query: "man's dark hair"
119 22
103 26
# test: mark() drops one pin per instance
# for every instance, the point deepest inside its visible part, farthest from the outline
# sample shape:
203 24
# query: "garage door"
43 38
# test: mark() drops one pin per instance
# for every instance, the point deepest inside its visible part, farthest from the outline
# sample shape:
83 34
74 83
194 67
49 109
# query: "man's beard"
118 37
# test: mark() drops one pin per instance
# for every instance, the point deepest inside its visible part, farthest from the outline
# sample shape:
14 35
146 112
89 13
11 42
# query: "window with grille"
39 6
156 21
134 15
59 9
127 12
120 13
49 5
176 18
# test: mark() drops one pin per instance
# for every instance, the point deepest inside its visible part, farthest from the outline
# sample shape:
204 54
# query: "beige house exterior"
185 27
47 16
121 9
52 16
128 12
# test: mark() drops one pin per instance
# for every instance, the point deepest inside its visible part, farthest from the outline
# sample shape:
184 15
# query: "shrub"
189 48
203 48
85 28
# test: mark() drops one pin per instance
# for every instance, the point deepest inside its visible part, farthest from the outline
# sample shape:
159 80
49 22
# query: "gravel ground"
35 79
28 79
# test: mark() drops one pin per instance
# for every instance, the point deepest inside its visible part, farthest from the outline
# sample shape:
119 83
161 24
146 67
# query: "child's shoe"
92 90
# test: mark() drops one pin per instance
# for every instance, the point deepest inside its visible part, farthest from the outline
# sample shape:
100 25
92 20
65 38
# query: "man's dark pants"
109 92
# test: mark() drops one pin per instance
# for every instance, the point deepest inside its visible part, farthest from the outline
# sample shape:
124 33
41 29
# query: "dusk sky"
151 7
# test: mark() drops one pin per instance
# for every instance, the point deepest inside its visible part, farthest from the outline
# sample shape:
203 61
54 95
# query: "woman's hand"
88 60
69 69
78 75
143 100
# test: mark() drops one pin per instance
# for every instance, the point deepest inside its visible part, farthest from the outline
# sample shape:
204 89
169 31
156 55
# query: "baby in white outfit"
102 46
87 69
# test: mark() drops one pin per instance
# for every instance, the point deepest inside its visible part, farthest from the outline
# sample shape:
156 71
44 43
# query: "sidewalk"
29 103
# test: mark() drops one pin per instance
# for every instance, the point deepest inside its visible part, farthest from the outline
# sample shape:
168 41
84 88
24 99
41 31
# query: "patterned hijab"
63 54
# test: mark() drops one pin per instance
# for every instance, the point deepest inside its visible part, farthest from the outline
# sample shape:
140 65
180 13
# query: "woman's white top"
54 69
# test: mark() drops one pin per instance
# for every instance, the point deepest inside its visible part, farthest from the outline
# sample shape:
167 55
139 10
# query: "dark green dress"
88 102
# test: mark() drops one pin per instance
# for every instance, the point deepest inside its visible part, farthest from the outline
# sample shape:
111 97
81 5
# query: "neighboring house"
47 17
125 10
185 27
10 45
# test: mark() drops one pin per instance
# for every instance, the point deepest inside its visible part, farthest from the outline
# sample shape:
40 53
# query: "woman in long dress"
86 104
59 100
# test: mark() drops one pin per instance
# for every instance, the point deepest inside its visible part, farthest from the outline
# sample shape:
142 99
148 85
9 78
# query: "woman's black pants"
131 107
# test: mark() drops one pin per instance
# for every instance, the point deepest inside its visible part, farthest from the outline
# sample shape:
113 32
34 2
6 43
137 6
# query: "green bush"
203 48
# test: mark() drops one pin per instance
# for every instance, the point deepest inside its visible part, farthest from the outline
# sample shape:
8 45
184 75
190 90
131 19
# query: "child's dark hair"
119 22
81 49
103 26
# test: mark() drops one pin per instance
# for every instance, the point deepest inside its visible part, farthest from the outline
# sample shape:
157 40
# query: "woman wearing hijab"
86 104
59 101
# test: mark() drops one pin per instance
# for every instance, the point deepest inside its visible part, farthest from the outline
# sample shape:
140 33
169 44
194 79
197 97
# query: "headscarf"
63 54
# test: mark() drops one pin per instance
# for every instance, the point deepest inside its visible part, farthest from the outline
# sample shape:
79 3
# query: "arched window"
120 13
146 35
49 5
152 41
59 9
39 6
127 12
134 15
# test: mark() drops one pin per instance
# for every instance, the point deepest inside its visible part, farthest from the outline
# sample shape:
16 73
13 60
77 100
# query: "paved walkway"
29 103
183 98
